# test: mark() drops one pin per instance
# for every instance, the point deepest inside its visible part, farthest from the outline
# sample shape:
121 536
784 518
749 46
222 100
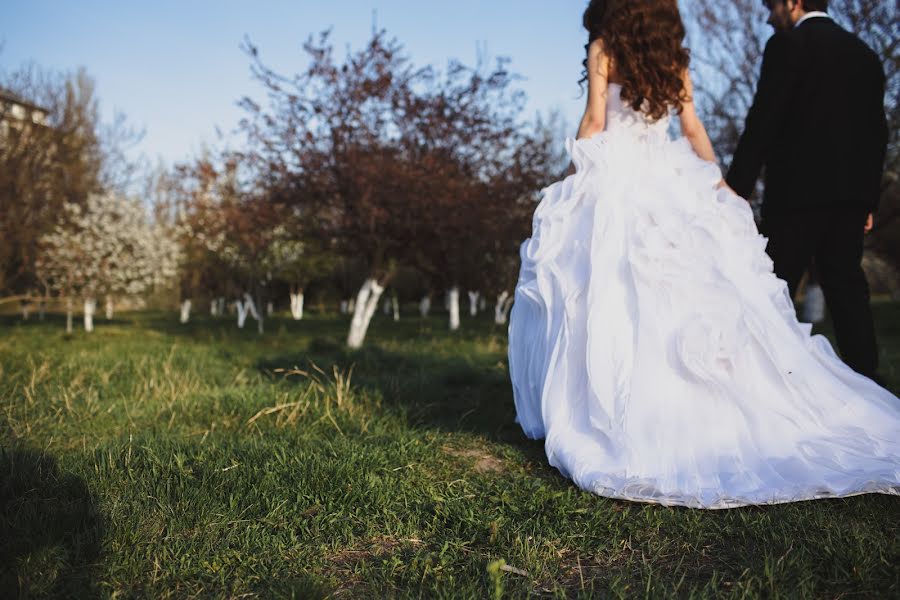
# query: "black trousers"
834 239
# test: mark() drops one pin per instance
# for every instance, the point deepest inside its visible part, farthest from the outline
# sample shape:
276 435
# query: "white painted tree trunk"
90 306
453 302
482 303
351 306
813 305
425 306
473 303
250 305
386 306
241 313
110 308
395 304
498 307
42 307
270 308
344 305
69 310
185 311
297 305
26 309
260 319
366 303
213 308
506 306
221 307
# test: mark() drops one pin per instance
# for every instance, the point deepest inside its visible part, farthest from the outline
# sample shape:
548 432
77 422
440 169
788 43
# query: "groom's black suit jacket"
817 123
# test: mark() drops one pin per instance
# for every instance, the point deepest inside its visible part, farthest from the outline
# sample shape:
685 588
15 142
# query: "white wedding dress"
652 346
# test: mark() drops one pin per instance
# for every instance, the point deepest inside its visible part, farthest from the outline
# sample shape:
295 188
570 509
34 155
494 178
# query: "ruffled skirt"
652 346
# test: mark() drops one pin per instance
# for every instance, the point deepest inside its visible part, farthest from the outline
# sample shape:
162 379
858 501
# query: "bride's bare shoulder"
600 61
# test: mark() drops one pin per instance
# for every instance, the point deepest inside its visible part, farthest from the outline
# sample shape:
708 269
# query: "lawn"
151 459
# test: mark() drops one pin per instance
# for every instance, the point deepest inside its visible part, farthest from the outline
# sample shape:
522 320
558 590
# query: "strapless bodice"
620 116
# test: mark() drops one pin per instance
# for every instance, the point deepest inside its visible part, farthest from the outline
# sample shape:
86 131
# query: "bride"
650 342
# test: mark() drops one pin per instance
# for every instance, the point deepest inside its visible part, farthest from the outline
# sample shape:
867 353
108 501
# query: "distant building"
14 112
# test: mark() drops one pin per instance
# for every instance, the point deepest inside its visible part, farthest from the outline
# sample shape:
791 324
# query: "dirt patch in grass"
482 460
343 564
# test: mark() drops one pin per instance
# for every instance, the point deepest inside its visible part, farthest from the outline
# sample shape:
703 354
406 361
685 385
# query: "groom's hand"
869 222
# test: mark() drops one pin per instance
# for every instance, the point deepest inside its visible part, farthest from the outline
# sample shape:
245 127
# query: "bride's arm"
691 127
594 119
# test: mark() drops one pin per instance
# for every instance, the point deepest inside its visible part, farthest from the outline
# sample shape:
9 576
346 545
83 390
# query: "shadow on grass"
201 326
56 322
49 525
448 392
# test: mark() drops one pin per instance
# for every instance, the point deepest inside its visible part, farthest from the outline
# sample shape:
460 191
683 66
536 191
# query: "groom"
817 126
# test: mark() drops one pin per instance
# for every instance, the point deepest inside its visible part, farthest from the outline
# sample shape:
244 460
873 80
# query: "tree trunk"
26 309
69 311
185 311
813 304
364 308
221 307
499 316
297 304
453 302
386 306
270 308
42 307
213 308
259 315
90 305
344 305
473 303
248 307
110 308
395 304
425 306
241 313
351 306
506 306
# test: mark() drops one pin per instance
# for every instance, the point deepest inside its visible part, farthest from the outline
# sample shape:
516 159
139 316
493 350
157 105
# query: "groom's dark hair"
808 5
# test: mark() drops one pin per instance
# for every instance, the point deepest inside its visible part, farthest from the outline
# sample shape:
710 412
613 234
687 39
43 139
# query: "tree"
380 155
54 150
296 260
189 198
109 246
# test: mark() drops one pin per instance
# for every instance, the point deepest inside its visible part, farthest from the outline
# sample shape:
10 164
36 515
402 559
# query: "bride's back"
621 116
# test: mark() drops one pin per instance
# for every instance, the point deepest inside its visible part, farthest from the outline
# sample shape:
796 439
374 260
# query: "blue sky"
176 69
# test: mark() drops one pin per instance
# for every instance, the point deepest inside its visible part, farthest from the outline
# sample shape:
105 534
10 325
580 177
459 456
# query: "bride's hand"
723 184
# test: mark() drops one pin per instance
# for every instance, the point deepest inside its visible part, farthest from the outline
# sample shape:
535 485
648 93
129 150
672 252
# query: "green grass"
150 459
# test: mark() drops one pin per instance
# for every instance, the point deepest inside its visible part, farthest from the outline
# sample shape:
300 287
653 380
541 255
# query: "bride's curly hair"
644 40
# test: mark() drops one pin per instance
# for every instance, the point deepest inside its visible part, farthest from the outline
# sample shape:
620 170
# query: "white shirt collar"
810 15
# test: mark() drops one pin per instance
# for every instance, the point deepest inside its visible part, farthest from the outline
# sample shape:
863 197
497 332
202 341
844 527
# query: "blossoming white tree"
107 247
